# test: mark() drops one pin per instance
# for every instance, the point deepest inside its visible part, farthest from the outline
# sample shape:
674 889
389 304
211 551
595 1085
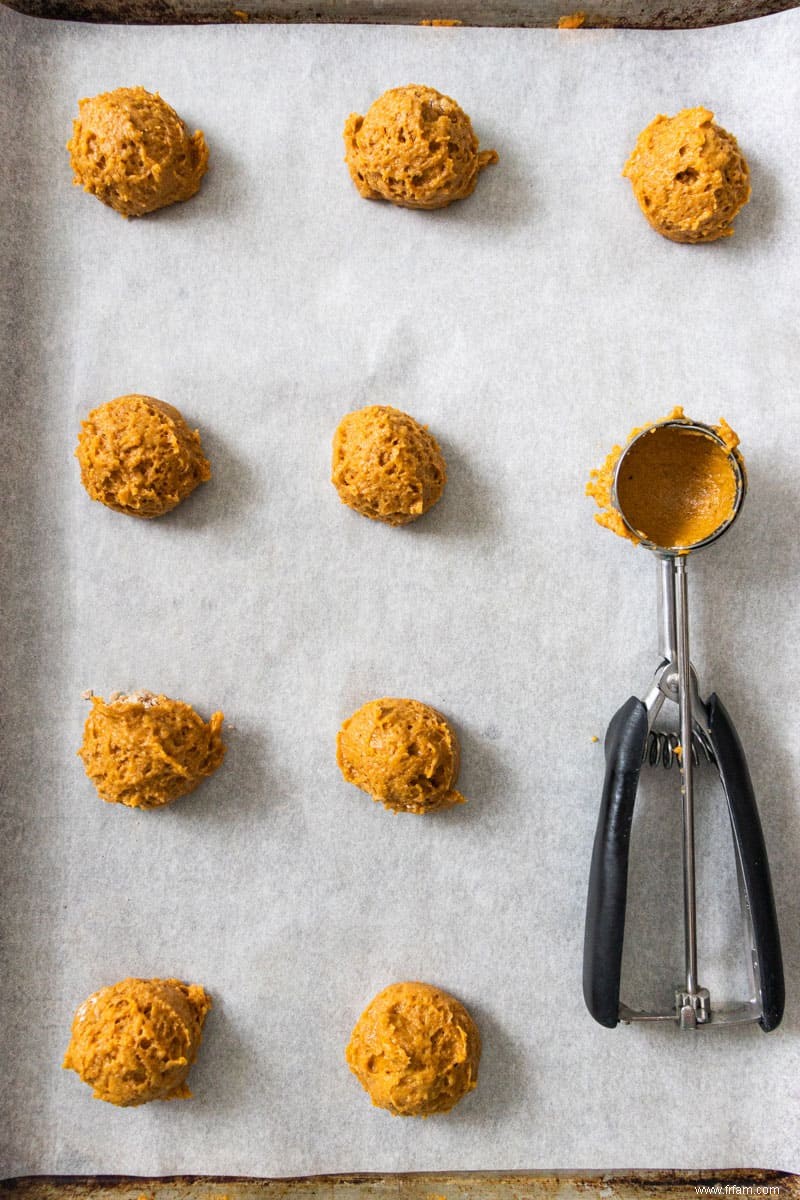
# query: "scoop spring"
661 750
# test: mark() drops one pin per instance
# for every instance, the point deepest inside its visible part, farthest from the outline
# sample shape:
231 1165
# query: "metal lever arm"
753 864
608 877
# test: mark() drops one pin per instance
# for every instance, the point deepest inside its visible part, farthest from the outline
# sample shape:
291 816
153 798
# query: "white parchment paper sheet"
531 327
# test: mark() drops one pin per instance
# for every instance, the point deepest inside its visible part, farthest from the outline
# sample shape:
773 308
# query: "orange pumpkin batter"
138 456
386 465
131 150
677 486
415 148
574 20
402 753
689 176
145 751
415 1050
135 1041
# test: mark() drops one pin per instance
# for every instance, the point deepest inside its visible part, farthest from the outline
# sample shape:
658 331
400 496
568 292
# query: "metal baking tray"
670 1185
661 1185
623 14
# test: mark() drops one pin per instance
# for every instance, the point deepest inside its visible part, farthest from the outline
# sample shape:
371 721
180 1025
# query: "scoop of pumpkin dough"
131 150
145 751
415 1050
416 148
136 1040
386 465
689 176
402 753
138 456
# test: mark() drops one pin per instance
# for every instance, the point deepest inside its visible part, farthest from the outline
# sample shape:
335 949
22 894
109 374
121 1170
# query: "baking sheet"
627 14
438 1185
530 327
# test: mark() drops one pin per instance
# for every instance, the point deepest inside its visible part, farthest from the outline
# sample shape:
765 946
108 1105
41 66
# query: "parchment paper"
530 327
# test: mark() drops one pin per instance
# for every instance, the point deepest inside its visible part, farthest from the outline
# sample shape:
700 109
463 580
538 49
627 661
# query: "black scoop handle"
746 825
608 877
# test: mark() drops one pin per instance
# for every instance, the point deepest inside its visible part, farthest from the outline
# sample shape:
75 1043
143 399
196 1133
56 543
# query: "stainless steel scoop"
705 733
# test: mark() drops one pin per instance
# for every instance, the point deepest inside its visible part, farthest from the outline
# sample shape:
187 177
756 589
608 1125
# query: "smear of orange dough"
572 20
678 487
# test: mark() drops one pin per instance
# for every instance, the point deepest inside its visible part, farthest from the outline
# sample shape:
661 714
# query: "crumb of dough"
135 1041
145 751
241 15
594 738
572 20
689 177
131 150
415 1050
386 465
441 22
415 148
402 753
138 456
680 487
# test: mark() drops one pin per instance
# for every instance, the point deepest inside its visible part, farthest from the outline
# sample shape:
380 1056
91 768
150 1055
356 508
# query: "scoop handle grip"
735 776
608 876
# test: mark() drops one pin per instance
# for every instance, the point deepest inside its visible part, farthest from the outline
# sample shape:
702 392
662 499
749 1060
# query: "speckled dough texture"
138 456
415 148
386 465
402 753
131 150
689 176
145 751
415 1050
135 1041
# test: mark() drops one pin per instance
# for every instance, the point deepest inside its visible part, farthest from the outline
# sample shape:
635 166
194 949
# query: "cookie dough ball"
136 1040
415 1050
689 177
145 751
386 465
402 753
415 147
131 150
138 456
